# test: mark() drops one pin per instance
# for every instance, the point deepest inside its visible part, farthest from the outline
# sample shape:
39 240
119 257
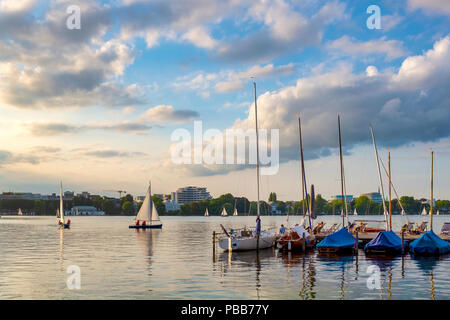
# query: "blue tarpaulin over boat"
339 239
429 243
385 240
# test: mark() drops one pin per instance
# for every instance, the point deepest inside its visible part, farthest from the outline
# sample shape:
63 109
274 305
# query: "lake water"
177 262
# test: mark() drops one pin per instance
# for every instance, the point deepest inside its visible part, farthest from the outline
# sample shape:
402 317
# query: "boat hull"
65 226
153 226
295 245
246 243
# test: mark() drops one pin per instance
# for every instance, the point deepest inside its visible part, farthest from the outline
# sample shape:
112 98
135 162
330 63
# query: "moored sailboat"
429 243
386 242
298 238
341 241
250 240
147 214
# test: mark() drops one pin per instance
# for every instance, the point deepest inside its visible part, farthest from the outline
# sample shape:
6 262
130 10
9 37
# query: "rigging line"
393 188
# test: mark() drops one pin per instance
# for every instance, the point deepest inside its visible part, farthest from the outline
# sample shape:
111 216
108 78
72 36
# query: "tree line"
127 206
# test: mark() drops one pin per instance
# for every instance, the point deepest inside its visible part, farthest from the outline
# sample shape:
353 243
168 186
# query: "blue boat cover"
339 239
429 243
385 240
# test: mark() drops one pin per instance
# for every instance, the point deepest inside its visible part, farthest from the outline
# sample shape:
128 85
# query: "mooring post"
357 242
304 242
403 241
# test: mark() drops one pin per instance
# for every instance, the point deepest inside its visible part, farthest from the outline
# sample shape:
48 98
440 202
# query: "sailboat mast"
379 175
390 205
344 200
258 219
431 200
61 207
302 166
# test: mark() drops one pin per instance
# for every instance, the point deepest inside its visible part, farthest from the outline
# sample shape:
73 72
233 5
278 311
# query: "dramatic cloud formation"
407 106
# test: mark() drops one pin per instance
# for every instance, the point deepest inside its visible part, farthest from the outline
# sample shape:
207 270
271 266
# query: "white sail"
61 207
437 212
355 213
206 213
19 213
403 212
224 212
148 212
424 212
235 213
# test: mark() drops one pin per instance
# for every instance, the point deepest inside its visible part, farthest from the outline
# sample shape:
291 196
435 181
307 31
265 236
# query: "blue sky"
96 107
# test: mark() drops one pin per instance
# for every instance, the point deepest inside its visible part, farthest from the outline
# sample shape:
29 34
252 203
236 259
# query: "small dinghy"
429 244
224 212
61 222
386 242
293 241
206 213
341 241
147 217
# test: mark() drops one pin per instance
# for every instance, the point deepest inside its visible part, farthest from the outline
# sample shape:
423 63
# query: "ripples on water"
177 262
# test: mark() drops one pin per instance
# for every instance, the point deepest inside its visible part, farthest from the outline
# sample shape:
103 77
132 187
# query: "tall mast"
304 189
390 205
379 177
61 206
431 200
151 202
301 164
258 219
344 200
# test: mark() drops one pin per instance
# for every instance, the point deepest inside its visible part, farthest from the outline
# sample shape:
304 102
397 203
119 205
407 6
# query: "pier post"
357 242
403 241
304 243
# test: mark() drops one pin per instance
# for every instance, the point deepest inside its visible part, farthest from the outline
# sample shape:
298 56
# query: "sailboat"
341 241
298 238
147 214
355 212
424 212
245 239
430 243
62 223
206 213
386 242
19 213
437 213
224 212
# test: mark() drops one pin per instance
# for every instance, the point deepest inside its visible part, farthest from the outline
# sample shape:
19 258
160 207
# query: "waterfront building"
190 194
139 198
373 196
171 205
86 211
348 198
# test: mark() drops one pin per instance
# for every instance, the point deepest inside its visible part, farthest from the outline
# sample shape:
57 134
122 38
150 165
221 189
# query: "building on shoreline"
190 194
85 211
373 196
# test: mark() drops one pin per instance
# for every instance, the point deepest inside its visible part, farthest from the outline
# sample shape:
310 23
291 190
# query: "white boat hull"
247 243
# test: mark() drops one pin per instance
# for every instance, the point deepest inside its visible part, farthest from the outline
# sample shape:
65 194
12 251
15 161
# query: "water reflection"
146 239
342 263
427 265
61 248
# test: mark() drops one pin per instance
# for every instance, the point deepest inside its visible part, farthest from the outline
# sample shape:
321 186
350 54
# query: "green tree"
362 204
272 197
128 208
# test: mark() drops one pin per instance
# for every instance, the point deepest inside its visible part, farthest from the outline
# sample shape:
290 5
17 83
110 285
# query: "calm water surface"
177 262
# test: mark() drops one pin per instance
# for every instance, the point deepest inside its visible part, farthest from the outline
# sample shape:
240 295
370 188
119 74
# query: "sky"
96 106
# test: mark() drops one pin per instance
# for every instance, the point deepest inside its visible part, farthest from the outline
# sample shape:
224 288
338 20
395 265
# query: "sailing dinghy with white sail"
224 212
19 213
147 217
62 223
206 213
424 212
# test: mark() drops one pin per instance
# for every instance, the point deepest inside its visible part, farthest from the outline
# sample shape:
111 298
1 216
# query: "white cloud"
371 71
431 6
391 48
200 37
